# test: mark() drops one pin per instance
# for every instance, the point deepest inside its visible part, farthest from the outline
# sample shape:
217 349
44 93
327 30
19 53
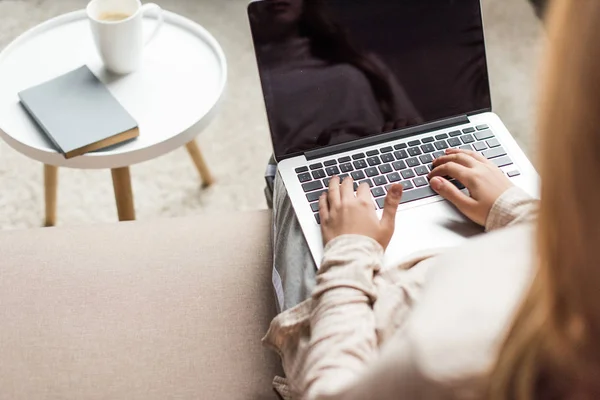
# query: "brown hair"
553 348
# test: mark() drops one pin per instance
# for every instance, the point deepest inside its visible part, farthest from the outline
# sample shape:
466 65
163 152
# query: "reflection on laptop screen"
339 70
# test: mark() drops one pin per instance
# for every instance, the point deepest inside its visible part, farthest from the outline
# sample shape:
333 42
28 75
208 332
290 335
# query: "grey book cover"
78 113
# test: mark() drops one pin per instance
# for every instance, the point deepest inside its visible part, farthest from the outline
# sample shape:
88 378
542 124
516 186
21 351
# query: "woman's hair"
552 350
330 42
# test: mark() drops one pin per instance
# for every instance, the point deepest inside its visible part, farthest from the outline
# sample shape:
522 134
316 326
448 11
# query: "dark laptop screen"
333 71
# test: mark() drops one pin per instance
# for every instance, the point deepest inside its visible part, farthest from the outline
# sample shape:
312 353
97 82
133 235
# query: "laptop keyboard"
406 163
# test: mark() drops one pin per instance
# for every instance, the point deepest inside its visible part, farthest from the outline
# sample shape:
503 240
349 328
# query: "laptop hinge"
386 137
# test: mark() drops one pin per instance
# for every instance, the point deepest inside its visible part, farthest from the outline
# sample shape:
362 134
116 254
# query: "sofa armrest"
141 310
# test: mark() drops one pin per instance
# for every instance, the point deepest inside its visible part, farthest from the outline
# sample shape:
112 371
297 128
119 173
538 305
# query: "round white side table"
173 97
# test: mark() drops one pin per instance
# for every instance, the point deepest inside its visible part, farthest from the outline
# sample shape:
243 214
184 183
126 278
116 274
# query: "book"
78 113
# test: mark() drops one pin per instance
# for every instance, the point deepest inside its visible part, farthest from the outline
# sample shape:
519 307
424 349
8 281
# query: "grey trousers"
294 270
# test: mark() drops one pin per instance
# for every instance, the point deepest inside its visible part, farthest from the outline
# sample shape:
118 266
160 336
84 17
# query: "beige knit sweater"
428 328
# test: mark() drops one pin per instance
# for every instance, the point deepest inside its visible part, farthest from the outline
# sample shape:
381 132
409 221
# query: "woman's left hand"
342 213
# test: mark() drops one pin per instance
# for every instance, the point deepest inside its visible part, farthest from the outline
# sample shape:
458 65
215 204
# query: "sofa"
166 309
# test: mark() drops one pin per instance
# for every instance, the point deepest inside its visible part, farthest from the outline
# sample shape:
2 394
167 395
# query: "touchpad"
433 225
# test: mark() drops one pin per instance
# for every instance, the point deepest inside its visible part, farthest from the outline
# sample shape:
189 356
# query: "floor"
237 144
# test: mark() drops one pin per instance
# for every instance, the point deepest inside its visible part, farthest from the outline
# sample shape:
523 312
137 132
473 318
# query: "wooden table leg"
123 193
198 158
50 189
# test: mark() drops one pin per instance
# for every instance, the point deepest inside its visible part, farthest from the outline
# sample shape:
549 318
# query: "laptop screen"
334 71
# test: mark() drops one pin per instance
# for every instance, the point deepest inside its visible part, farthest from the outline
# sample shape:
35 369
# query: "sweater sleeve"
342 323
514 206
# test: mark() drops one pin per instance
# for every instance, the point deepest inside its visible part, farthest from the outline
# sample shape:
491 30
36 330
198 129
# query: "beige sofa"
170 309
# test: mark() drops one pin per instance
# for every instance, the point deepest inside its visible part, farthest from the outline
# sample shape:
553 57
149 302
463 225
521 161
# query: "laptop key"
378 191
357 175
455 133
502 161
344 159
380 180
394 177
316 166
305 177
367 181
347 167
421 170
326 182
319 174
514 173
408 174
495 152
486 134
300 170
372 161
438 154
400 155
466 147
482 127
426 159
372 153
458 184
358 156
454 142
467 139
314 207
493 143
332 171
427 148
407 185
386 158
387 149
310 186
441 145
372 171
385 168
343 176
411 195
329 163
427 140
412 162
414 143
360 164
468 130
400 146
420 181
479 146
314 196
414 151
399 165
318 218
441 136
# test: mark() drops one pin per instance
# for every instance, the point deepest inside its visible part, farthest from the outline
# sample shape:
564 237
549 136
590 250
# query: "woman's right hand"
482 178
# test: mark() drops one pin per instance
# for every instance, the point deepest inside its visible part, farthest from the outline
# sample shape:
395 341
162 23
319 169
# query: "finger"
392 200
471 153
323 208
334 193
453 170
459 158
347 189
364 192
451 193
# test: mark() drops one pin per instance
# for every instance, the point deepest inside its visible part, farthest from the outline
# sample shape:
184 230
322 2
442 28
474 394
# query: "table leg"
198 158
50 189
123 193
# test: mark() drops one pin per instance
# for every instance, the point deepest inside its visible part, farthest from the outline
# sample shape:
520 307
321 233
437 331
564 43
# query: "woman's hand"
343 213
485 182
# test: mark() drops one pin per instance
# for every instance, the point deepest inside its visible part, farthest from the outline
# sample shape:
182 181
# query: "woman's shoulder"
468 303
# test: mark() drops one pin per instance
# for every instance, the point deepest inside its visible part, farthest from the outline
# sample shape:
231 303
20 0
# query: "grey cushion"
142 310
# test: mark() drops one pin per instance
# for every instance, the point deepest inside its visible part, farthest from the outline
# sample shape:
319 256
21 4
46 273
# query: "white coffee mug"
117 26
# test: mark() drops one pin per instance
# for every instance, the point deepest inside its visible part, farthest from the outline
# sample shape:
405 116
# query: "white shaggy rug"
237 144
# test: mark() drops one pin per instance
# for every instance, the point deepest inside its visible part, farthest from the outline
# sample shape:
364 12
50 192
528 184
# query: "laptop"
376 90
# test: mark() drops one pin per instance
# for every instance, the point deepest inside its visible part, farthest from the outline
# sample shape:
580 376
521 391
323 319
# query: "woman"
511 315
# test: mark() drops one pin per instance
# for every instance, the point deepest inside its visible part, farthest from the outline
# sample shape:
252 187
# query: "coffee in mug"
117 27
